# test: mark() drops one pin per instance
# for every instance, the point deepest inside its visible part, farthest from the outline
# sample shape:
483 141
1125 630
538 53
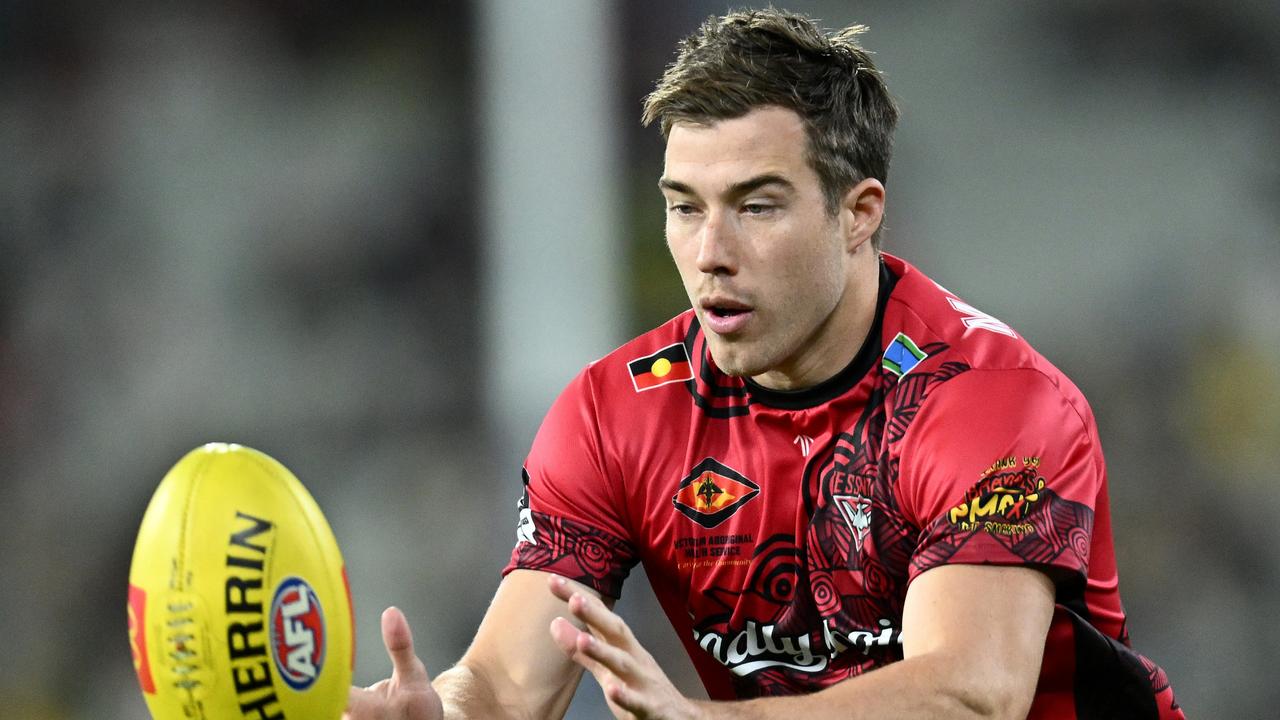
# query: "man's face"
762 260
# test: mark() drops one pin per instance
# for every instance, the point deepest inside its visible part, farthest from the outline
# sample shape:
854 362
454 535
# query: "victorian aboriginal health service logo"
298 636
712 492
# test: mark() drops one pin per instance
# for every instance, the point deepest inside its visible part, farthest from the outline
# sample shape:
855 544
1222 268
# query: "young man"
855 494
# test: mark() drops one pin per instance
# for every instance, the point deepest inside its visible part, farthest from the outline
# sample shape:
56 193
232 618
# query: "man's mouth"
724 316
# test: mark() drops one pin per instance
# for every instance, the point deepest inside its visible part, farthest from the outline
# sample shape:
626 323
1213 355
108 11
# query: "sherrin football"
238 598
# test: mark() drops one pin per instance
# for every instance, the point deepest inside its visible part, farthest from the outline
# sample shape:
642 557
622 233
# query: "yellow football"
238 599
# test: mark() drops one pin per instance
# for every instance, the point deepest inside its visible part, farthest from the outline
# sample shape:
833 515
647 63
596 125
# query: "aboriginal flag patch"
712 492
668 365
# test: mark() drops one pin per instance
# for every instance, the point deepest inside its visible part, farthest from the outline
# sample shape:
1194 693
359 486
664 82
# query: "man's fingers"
602 621
571 640
407 694
406 668
565 635
357 704
624 697
561 587
591 611
378 703
397 636
616 661
592 653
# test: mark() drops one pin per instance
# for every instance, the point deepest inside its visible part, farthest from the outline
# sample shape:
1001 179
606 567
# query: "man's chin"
736 364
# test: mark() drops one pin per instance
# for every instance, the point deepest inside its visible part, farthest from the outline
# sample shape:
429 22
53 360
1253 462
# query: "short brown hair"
753 58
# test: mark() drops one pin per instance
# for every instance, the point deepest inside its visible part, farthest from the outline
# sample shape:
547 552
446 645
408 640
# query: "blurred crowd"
259 222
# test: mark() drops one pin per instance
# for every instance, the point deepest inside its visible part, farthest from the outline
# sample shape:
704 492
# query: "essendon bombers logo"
712 492
297 633
856 511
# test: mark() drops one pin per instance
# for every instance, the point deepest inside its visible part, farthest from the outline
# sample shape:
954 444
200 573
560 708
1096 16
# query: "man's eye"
681 209
757 208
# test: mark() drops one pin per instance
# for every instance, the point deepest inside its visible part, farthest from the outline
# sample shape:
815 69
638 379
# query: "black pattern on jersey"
834 598
1155 676
912 389
775 568
713 398
576 551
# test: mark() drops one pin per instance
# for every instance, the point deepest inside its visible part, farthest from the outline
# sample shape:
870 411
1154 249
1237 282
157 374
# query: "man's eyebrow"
674 186
752 184
735 190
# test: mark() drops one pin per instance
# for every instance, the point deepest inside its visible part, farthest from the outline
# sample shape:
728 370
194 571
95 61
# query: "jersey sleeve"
570 518
1002 467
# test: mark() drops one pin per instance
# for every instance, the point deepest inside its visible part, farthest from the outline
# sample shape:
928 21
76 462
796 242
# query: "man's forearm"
468 695
925 686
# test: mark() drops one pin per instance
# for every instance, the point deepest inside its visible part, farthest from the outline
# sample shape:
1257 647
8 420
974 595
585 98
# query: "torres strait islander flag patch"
668 365
902 355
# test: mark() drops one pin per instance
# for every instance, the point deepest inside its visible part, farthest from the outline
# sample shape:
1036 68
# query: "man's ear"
862 211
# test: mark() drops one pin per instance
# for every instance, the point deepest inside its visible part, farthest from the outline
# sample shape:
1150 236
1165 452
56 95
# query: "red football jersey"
781 530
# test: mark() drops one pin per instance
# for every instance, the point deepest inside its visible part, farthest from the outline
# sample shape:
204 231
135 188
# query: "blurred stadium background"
375 239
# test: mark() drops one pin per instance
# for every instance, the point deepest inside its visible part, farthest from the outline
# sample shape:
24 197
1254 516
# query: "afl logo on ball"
297 633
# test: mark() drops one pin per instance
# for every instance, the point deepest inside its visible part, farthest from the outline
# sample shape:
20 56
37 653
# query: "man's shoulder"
649 361
610 402
924 319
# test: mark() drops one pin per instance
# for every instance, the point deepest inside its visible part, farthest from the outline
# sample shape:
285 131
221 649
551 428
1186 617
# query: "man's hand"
407 694
634 686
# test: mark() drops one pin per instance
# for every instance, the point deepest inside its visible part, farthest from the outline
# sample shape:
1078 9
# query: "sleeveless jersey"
780 530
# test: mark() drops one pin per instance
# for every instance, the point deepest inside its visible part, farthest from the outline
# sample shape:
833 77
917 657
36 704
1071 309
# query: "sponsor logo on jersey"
526 531
902 355
856 510
976 319
758 647
1002 499
805 442
861 639
138 638
702 550
668 365
297 633
712 492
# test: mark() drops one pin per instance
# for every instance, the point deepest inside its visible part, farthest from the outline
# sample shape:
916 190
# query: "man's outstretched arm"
973 641
512 669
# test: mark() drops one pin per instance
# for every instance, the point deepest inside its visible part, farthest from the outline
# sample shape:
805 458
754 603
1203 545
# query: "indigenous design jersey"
781 530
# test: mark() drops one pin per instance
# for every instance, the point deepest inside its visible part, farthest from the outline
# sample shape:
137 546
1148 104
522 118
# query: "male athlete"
855 494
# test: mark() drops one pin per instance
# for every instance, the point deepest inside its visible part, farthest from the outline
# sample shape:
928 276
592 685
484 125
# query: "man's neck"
836 341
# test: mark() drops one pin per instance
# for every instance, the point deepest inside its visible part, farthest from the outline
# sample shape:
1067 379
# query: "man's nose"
717 245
